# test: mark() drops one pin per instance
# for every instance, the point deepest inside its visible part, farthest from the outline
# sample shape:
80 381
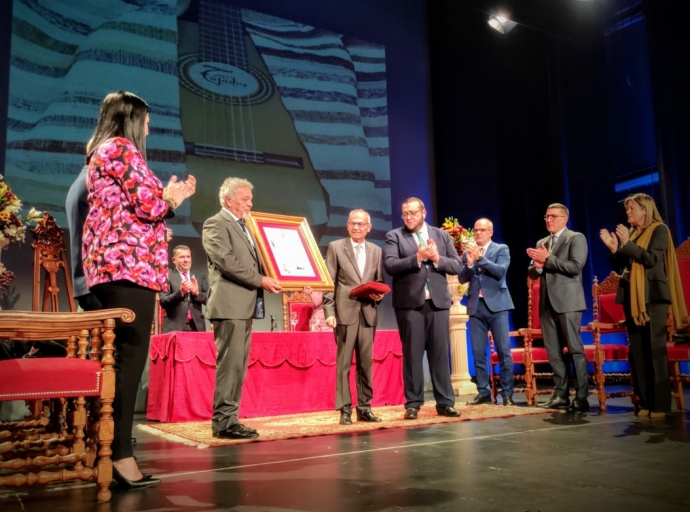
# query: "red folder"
363 290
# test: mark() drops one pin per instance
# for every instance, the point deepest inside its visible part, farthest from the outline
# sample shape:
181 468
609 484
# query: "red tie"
481 253
185 276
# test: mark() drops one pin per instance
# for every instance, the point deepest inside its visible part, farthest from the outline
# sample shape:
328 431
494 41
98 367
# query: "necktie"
552 243
243 225
481 253
185 277
359 256
427 292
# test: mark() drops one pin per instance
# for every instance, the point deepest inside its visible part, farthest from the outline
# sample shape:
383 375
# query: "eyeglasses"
409 215
359 225
482 230
552 217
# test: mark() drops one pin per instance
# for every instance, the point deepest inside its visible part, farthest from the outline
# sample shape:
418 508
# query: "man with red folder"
352 262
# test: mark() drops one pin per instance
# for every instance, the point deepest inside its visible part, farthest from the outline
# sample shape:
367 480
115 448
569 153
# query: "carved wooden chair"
50 256
300 303
680 352
526 356
609 318
71 425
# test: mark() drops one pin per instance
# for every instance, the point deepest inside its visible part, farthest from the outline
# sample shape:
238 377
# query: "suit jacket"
653 259
342 266
409 277
561 277
488 274
77 208
234 274
176 305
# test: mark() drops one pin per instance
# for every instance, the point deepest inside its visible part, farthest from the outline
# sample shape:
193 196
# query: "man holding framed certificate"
236 282
353 262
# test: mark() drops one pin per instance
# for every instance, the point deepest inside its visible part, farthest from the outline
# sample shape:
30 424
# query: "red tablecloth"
289 372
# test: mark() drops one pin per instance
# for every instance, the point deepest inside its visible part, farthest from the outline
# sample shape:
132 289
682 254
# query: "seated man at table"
351 262
185 296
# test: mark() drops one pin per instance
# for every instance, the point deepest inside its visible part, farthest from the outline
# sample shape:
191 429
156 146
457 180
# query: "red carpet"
198 433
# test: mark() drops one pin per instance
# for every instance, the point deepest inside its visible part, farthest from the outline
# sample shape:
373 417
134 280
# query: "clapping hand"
471 254
194 286
538 255
623 234
609 239
185 287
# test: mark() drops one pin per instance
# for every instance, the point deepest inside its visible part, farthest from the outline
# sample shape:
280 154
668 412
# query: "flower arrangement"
12 225
460 236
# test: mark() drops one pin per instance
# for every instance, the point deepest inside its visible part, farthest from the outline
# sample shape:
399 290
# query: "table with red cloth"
289 372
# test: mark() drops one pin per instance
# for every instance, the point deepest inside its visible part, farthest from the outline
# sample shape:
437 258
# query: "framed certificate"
288 251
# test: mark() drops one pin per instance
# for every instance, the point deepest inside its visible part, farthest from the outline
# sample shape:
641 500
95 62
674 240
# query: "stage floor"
554 462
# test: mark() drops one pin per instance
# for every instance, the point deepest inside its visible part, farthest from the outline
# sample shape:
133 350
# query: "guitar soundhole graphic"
224 82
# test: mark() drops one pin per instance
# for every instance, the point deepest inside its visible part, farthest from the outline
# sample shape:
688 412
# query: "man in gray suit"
557 262
419 256
236 283
488 304
351 262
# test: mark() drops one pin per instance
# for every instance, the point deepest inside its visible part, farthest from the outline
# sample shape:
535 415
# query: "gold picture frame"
289 252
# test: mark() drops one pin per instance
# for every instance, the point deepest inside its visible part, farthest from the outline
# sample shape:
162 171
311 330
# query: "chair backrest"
683 256
300 303
604 306
50 255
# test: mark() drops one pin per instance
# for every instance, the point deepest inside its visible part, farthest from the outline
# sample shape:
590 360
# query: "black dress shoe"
250 429
508 400
144 481
237 431
579 405
367 416
480 399
411 413
345 416
448 411
556 402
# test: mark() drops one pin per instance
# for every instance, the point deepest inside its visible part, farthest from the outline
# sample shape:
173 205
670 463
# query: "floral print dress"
124 233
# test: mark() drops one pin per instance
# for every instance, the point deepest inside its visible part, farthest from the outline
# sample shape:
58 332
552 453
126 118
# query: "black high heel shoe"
144 481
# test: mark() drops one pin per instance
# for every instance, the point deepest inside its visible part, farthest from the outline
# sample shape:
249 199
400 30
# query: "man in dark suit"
236 284
76 209
419 256
353 261
488 303
185 296
557 262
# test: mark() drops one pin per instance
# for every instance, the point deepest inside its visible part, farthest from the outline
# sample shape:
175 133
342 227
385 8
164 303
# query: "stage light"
501 23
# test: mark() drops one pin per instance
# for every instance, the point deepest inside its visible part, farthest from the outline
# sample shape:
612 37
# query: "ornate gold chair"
71 424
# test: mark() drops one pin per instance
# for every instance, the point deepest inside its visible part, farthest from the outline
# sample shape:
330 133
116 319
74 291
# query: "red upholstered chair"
300 303
71 425
678 352
528 355
609 318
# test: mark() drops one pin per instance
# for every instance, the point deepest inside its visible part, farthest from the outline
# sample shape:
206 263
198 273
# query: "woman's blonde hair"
648 205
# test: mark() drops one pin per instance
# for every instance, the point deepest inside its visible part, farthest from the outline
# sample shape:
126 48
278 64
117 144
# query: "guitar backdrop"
299 111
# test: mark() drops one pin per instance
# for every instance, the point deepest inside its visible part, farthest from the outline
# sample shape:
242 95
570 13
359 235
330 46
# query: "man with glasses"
488 303
419 256
557 262
351 262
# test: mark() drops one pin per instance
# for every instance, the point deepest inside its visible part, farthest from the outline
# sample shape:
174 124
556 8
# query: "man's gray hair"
230 186
359 210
